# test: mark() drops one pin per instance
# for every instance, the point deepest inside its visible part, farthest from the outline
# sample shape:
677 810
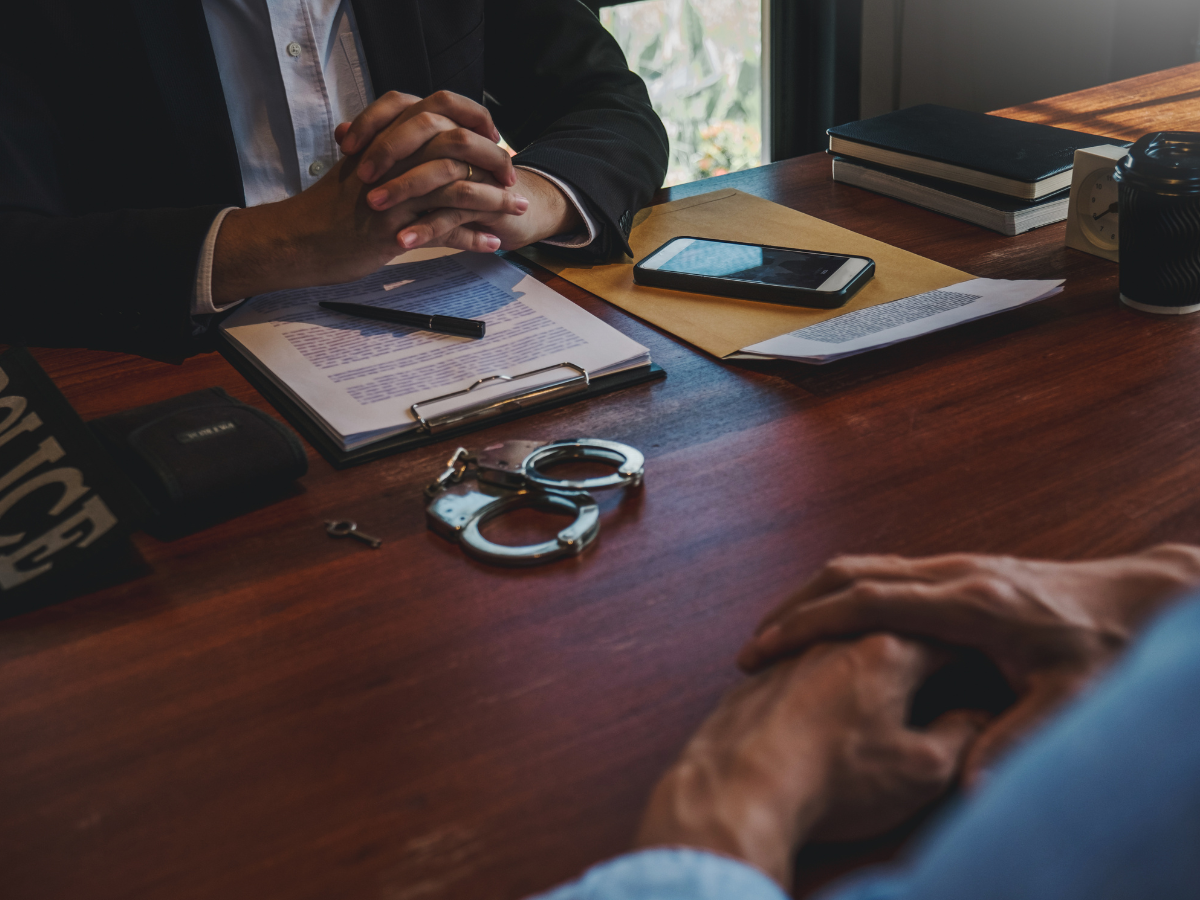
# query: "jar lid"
1164 162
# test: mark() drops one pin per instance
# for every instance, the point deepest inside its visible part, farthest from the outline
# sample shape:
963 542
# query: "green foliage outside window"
701 60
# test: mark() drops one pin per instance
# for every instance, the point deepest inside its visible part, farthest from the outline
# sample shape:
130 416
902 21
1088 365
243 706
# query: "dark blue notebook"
1007 156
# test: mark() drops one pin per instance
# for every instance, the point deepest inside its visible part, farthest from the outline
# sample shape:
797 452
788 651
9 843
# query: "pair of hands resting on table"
403 184
817 745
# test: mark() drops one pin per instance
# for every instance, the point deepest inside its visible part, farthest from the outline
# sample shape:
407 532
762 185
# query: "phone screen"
765 265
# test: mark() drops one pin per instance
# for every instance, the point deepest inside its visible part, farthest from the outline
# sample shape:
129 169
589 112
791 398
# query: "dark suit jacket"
116 150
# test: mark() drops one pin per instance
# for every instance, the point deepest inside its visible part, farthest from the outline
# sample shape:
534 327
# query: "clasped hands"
417 172
816 743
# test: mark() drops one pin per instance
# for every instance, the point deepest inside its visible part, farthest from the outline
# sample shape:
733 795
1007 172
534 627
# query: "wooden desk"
271 713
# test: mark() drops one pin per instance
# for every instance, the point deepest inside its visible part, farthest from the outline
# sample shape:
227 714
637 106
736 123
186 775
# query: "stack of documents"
359 379
724 325
909 296
889 323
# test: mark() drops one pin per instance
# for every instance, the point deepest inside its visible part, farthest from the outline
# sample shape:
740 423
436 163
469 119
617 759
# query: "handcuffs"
475 488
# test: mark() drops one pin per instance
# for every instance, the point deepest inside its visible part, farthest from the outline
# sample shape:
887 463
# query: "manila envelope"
721 325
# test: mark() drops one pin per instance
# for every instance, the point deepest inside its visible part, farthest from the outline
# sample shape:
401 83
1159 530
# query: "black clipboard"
299 419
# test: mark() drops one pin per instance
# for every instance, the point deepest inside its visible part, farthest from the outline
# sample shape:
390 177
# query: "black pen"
472 328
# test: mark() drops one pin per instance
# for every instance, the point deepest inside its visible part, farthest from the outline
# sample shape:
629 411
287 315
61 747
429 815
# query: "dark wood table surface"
271 713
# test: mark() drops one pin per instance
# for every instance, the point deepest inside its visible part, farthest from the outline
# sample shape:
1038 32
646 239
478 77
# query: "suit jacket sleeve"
79 271
562 94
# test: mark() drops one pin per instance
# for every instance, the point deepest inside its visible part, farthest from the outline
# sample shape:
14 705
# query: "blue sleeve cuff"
675 874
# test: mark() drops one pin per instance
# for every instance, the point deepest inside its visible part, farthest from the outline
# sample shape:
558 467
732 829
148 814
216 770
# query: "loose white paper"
359 378
889 323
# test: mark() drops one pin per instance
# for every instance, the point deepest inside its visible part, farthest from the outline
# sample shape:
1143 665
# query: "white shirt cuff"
202 302
577 238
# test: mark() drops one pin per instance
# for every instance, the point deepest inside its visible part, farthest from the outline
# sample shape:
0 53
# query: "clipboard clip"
475 488
485 409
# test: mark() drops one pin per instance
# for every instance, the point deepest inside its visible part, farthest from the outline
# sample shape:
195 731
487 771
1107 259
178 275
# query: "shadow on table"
120 568
196 517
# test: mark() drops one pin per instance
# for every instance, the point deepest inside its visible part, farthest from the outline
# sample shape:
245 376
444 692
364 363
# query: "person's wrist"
249 252
550 212
262 249
753 817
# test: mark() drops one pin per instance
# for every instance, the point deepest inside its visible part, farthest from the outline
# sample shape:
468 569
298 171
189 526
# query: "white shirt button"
293 49
316 168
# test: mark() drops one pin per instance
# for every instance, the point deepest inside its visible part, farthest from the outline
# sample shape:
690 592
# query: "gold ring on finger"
470 171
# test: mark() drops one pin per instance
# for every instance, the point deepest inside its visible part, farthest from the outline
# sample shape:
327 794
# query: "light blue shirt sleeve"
670 874
1104 804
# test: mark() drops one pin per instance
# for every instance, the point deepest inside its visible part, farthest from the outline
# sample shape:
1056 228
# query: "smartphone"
755 272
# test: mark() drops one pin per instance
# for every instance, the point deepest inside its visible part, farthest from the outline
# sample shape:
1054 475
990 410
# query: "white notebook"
995 211
359 378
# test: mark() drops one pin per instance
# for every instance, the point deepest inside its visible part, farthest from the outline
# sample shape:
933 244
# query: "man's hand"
411 148
419 154
814 747
1050 627
390 131
328 234
546 213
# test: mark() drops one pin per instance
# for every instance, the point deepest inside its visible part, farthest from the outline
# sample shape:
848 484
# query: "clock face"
1096 206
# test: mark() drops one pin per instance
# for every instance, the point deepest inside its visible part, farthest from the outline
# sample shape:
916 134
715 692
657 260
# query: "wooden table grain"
269 713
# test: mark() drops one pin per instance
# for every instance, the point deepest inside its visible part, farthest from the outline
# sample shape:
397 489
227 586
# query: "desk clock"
1093 219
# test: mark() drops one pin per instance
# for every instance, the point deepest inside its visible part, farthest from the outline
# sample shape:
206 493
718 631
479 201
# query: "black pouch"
202 457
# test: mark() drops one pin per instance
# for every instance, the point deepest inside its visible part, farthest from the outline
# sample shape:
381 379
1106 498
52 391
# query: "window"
702 64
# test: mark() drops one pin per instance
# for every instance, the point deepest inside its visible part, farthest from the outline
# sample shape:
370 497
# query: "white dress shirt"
291 71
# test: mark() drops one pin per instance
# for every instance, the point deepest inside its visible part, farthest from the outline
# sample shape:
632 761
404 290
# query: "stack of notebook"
1004 174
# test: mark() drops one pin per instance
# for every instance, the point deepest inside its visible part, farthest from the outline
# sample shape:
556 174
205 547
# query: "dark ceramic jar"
1159 196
